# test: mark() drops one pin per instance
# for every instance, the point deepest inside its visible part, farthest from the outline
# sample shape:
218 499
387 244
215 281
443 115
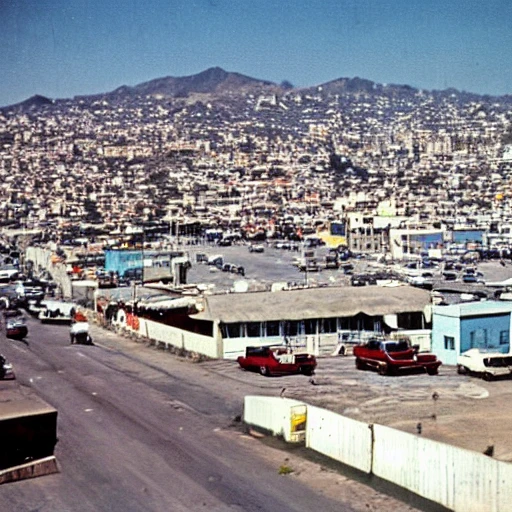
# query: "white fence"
343 439
458 479
271 414
189 341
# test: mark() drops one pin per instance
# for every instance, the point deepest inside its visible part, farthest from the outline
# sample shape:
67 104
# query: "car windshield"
256 351
398 346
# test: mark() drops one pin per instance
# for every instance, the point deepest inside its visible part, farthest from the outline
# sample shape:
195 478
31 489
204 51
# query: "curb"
33 469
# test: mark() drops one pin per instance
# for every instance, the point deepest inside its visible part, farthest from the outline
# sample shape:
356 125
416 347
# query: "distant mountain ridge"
33 102
216 81
210 81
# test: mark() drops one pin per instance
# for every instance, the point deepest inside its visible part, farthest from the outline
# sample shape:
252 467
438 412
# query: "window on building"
344 324
292 328
272 328
504 337
253 329
329 325
310 326
449 343
231 330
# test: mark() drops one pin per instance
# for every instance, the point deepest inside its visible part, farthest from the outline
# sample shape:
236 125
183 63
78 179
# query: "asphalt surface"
277 266
273 265
135 436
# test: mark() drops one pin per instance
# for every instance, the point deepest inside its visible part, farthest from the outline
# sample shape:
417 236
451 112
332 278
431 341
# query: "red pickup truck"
390 357
277 361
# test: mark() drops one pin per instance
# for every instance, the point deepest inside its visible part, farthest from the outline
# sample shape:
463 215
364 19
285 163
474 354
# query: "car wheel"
488 376
461 370
305 370
359 364
391 370
432 371
264 371
343 351
383 369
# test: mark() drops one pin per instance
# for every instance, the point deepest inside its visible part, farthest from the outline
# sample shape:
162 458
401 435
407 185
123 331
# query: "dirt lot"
468 412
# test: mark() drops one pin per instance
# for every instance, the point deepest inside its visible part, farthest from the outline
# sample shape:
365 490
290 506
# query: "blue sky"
62 48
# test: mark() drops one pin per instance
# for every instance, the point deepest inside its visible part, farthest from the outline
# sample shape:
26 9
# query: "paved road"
133 436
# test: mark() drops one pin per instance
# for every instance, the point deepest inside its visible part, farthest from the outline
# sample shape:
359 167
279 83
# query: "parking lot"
277 265
260 268
464 411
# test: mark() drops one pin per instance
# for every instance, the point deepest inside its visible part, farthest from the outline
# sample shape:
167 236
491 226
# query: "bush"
285 470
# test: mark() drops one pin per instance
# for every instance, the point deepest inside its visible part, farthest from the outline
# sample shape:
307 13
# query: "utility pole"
142 253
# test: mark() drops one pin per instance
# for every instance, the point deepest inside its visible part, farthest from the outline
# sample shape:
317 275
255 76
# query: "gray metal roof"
17 401
313 303
478 308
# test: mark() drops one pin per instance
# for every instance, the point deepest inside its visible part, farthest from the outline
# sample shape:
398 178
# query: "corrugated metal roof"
166 303
313 303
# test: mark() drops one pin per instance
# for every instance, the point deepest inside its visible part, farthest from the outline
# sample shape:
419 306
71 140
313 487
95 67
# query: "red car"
390 357
277 361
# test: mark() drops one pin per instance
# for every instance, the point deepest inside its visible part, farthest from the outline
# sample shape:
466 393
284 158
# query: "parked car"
390 357
133 274
488 365
201 257
33 291
277 361
79 334
450 276
15 326
308 265
332 260
256 248
6 370
216 260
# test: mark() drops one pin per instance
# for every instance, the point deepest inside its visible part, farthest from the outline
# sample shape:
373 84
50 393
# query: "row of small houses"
222 326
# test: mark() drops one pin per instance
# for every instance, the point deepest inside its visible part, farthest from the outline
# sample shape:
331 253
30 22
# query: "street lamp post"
142 252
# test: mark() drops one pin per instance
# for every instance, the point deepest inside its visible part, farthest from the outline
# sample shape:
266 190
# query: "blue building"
148 265
468 235
122 260
459 327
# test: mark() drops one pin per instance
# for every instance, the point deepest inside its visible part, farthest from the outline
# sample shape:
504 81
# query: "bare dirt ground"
456 409
468 412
